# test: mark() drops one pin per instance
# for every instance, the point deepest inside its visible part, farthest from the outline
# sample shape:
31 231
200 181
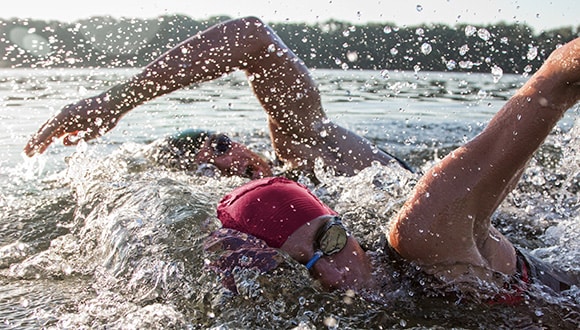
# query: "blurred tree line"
108 42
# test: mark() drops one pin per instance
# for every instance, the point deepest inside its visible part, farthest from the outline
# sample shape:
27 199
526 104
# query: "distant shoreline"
130 42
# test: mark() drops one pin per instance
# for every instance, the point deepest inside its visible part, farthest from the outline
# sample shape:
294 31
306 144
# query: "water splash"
129 232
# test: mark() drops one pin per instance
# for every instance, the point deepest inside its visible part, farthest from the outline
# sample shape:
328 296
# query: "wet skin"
348 269
236 160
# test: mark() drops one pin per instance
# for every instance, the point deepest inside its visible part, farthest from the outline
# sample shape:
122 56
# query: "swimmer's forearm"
126 96
211 54
123 97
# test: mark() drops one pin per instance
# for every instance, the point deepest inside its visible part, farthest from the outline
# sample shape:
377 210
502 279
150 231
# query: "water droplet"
420 32
385 74
419 8
493 237
497 73
470 30
483 34
466 64
394 51
352 56
426 48
387 29
451 65
463 50
271 48
532 53
346 33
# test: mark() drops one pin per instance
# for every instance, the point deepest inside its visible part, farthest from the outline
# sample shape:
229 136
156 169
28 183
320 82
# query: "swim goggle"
220 143
330 239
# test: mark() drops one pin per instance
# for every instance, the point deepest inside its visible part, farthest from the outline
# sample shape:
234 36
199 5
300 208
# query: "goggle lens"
221 144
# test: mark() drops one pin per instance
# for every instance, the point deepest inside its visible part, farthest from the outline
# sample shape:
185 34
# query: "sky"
539 14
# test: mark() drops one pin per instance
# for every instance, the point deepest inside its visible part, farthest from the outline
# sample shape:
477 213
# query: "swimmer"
195 150
209 154
300 131
445 225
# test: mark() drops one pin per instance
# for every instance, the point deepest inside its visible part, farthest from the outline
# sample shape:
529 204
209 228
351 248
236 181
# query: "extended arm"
299 129
447 218
208 55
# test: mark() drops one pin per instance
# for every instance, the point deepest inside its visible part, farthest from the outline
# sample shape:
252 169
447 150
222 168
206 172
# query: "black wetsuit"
540 271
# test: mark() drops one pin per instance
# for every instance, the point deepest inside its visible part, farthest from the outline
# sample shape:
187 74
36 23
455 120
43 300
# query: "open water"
98 236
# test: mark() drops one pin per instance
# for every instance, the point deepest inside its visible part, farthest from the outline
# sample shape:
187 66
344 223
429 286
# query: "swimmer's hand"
84 120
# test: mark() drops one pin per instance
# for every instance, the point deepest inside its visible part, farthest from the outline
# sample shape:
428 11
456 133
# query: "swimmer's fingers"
47 133
84 120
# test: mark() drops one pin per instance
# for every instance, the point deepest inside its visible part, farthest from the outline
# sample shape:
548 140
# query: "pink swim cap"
270 209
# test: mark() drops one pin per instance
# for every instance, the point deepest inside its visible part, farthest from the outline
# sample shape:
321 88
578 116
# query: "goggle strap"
317 255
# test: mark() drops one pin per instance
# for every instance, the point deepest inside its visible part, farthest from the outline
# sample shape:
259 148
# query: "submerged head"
189 148
286 215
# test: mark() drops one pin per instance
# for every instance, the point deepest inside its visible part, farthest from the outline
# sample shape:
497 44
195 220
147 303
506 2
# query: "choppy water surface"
100 237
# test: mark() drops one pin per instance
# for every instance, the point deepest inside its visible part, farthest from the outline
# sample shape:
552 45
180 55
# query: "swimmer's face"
348 269
232 158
